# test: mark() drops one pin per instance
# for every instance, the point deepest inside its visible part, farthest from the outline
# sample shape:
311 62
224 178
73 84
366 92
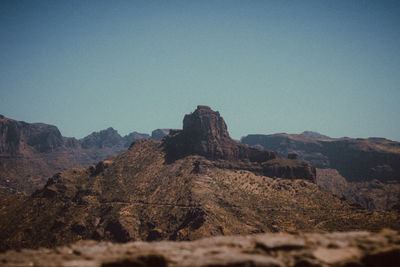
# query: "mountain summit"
205 133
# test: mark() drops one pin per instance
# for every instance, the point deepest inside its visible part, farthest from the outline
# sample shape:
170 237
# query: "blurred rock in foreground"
312 249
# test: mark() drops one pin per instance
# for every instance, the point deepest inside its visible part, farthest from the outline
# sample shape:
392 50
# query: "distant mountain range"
30 153
356 159
365 171
193 183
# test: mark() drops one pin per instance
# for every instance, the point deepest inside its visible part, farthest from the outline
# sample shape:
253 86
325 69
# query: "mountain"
30 153
205 133
355 159
366 171
110 138
194 183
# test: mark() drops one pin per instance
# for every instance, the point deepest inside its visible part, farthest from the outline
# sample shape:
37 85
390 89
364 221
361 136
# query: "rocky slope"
274 250
205 133
150 192
373 195
355 159
366 171
30 153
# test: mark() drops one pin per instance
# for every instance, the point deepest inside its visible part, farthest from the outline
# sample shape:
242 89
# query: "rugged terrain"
358 160
153 192
274 250
30 153
366 171
373 195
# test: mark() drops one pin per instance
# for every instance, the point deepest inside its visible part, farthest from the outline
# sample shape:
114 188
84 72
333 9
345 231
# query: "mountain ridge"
141 194
364 171
46 152
43 151
356 159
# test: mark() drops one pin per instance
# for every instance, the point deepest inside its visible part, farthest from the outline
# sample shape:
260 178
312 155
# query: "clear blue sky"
267 66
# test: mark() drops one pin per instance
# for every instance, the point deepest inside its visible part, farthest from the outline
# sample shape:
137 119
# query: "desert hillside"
161 190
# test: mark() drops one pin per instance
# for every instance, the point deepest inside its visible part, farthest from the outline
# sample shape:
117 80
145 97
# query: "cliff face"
364 159
205 133
356 159
365 171
32 152
17 136
373 195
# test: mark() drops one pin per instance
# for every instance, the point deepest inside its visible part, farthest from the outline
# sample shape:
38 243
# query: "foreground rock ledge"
312 249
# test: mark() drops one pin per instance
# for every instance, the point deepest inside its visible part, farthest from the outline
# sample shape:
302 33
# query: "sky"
266 66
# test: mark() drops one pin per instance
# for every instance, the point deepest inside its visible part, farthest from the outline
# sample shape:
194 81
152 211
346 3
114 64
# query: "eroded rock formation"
366 171
32 152
205 133
357 160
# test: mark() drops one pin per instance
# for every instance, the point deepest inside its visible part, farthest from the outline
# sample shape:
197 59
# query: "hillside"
160 190
356 159
373 195
364 171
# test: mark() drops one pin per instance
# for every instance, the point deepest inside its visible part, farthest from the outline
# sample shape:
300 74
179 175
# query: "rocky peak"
15 134
105 138
44 137
205 133
205 124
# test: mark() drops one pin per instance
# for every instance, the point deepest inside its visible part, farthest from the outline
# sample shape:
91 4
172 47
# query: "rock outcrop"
356 159
373 195
366 171
42 151
361 249
205 133
16 135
